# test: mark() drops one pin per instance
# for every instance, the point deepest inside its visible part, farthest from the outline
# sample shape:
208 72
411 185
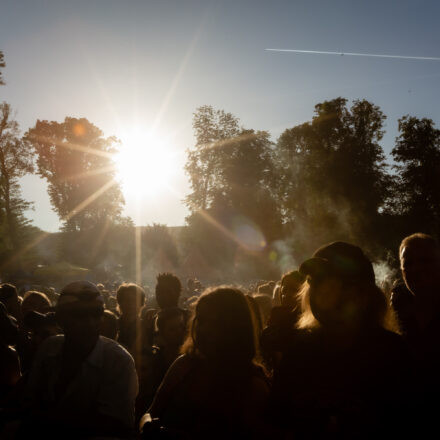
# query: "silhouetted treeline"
256 206
322 180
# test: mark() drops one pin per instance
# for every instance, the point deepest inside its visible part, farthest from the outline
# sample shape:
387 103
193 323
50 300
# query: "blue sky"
121 63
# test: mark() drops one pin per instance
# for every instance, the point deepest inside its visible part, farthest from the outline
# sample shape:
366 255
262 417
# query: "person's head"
198 285
222 330
79 311
276 295
190 284
291 283
112 304
171 326
341 291
420 264
35 301
8 327
130 298
265 289
109 325
168 290
9 297
41 326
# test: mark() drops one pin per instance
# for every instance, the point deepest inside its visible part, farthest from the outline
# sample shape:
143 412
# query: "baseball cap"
35 320
340 259
80 296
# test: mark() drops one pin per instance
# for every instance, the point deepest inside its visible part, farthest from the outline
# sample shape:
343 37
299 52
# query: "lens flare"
248 234
79 130
145 165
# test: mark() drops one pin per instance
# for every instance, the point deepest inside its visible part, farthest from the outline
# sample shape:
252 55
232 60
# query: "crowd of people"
321 353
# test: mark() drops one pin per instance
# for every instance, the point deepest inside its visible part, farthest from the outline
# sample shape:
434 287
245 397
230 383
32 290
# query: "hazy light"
145 164
248 234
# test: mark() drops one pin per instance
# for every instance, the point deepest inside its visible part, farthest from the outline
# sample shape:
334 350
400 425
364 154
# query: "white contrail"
401 57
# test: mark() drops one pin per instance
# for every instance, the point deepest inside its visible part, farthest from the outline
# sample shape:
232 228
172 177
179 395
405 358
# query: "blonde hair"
306 320
375 310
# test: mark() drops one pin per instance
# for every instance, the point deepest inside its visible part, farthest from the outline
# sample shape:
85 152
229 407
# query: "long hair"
371 305
231 339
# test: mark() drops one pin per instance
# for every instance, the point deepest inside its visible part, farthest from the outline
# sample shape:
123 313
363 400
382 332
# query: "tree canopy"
2 66
76 160
333 173
233 180
417 154
16 160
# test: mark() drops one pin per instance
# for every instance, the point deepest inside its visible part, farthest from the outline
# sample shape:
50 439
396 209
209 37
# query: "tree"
333 179
417 153
76 160
158 243
2 66
232 168
233 177
212 129
16 160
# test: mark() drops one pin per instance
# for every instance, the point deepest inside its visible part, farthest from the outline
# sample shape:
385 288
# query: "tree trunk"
5 183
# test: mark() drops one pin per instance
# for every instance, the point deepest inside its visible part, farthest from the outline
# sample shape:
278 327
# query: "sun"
145 164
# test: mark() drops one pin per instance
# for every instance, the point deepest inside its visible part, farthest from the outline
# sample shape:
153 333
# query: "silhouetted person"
9 360
418 307
171 324
39 327
291 283
418 311
112 304
265 305
109 325
190 288
168 290
35 301
131 298
52 295
402 301
266 289
9 297
276 296
81 384
256 313
282 320
344 375
215 390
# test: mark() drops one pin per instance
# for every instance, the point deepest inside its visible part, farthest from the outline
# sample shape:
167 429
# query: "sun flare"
145 165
